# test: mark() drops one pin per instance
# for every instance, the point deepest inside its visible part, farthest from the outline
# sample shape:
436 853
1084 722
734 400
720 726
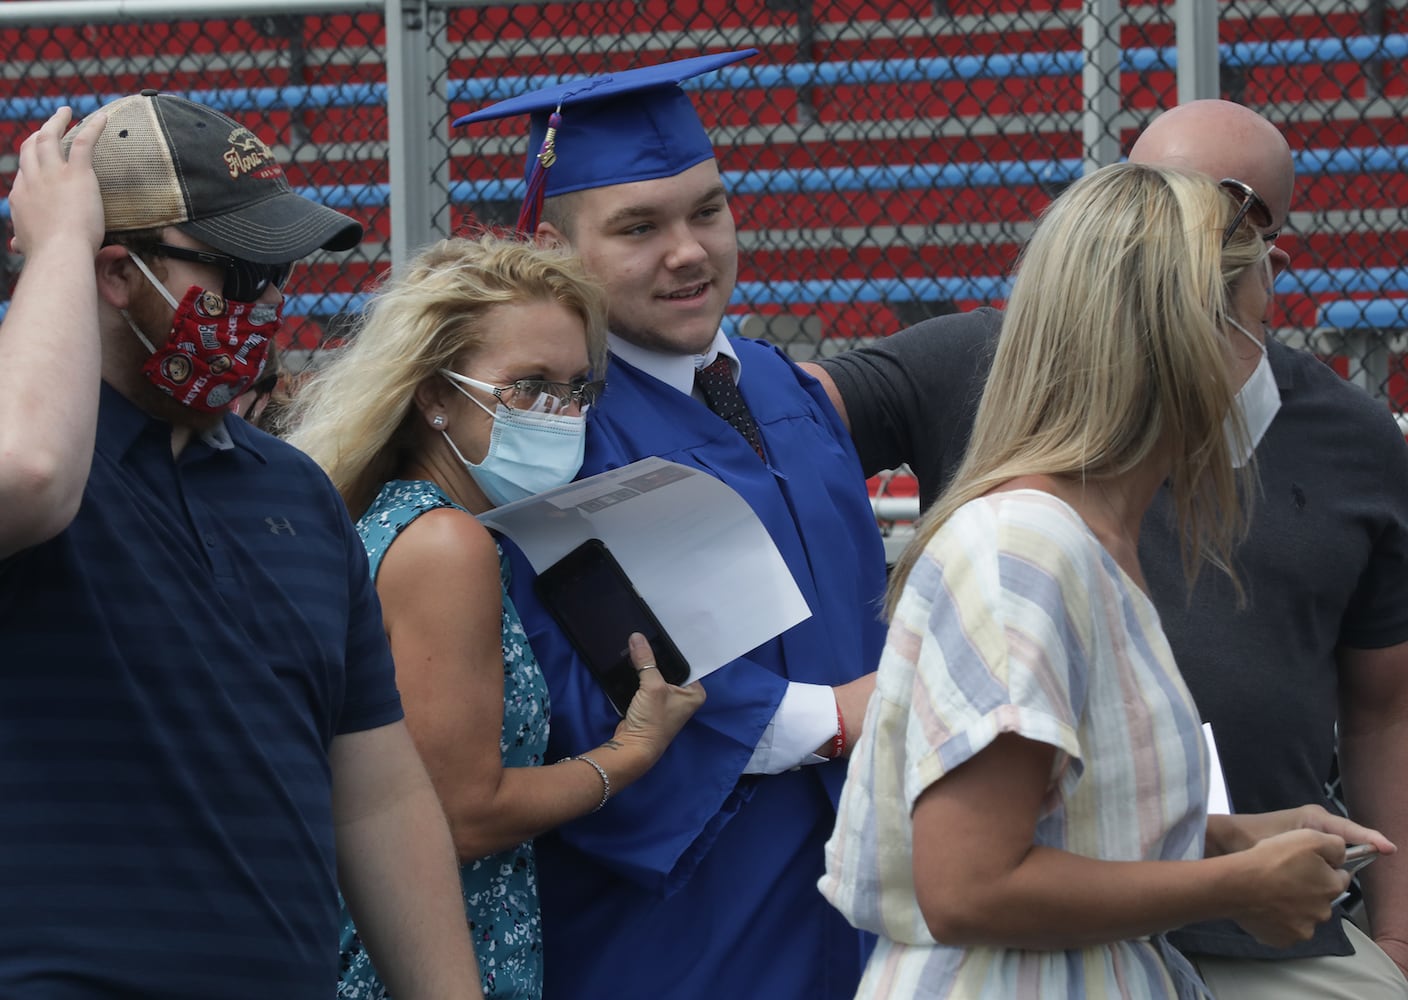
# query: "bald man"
1323 636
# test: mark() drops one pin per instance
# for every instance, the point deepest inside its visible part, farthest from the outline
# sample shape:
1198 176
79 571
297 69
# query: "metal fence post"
1100 83
415 105
1370 348
1195 22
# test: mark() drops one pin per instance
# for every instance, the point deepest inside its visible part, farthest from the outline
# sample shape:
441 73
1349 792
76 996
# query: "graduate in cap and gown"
701 879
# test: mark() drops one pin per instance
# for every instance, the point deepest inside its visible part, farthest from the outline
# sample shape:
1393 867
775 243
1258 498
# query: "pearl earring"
438 421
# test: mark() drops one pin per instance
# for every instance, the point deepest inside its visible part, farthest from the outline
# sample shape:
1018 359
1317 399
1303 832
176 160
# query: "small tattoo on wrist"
612 745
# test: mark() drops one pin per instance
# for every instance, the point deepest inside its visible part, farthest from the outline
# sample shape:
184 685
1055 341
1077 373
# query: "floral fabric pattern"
500 891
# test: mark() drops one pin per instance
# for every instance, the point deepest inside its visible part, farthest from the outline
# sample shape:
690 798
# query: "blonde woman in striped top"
1026 809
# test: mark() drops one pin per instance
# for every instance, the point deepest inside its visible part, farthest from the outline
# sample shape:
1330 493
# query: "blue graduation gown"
700 881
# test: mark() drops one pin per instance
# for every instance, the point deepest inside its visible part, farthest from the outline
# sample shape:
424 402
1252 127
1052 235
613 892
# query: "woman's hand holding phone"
658 710
1291 883
1297 864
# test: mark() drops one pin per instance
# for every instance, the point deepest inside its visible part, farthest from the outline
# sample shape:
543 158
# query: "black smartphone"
589 595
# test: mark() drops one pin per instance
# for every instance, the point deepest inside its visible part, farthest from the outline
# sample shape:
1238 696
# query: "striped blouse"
1017 620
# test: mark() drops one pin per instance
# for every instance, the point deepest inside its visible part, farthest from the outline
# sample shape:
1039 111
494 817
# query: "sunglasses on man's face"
1250 206
245 280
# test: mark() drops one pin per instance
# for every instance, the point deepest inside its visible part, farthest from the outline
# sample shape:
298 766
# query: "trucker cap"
167 161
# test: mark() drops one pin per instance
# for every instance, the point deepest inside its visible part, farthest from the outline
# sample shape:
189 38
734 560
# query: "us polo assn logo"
248 155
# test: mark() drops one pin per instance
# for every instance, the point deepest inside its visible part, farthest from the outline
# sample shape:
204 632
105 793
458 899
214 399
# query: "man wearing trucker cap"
199 729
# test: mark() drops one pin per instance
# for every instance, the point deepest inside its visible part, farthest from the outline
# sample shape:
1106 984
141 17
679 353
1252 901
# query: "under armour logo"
280 526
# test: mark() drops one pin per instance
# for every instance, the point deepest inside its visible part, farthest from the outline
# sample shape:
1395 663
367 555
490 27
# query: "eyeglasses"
252 402
266 383
245 280
537 395
1251 206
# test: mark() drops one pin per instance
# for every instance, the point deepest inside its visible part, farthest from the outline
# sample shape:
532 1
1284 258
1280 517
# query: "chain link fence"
885 159
314 87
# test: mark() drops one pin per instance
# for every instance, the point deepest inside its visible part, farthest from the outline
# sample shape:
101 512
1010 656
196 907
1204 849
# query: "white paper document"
1219 804
693 548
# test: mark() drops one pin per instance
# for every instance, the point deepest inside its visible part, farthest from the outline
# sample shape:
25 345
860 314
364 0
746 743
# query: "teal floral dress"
500 891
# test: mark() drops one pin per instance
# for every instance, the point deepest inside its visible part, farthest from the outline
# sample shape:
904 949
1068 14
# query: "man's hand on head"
57 197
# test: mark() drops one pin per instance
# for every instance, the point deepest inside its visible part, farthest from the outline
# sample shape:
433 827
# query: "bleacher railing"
885 160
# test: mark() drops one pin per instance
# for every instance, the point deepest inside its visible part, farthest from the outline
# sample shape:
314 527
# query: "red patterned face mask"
217 347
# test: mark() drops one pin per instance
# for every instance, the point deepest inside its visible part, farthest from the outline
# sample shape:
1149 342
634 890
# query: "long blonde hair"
1113 349
354 417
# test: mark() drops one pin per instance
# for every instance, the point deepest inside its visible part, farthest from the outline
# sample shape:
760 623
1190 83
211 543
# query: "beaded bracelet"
605 781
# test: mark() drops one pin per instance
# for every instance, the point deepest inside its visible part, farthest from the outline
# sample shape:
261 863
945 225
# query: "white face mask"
529 451
1257 401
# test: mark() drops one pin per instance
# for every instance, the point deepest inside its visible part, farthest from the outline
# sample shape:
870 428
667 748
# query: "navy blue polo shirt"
176 665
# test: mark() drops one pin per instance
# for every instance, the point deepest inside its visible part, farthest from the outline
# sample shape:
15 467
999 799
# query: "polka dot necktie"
722 395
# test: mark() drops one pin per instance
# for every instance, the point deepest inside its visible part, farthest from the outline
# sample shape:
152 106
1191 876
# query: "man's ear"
116 275
549 235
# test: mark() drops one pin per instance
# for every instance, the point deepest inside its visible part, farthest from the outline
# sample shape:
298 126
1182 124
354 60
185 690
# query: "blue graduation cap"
637 125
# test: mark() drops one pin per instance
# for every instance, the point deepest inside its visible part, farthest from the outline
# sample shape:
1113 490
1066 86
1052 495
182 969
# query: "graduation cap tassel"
532 208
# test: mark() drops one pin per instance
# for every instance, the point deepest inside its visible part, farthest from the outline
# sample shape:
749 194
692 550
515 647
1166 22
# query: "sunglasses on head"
245 280
1250 206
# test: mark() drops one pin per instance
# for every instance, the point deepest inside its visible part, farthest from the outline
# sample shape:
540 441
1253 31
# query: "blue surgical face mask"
529 451
1257 401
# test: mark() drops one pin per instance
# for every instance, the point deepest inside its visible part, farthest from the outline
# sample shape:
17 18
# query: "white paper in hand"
1218 801
693 548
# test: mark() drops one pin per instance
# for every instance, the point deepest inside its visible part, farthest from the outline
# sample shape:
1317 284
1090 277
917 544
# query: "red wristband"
838 742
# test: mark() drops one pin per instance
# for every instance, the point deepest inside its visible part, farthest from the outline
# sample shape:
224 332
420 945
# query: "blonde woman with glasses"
1026 809
466 387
